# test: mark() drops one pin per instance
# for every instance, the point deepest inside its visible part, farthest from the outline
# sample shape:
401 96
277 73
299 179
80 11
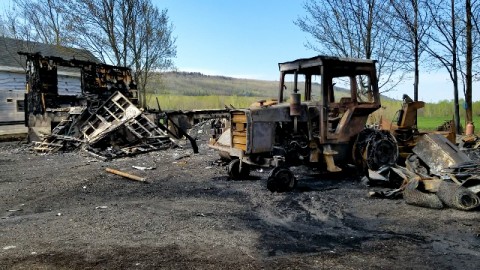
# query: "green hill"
197 84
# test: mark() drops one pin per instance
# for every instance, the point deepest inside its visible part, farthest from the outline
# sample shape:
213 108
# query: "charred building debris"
436 174
116 129
104 118
46 106
92 119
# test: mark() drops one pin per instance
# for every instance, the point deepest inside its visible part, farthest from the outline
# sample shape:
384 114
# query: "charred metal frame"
329 68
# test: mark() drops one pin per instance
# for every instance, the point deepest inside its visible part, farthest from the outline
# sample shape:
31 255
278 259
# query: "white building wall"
12 94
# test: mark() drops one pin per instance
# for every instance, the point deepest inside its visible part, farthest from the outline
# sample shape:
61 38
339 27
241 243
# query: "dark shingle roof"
9 48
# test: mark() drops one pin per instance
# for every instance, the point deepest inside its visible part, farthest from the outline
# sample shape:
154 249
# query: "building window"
20 105
9 100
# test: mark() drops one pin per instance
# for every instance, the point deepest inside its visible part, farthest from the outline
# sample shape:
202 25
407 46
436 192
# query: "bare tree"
354 28
408 25
471 50
152 45
468 61
444 43
37 20
468 50
15 26
131 33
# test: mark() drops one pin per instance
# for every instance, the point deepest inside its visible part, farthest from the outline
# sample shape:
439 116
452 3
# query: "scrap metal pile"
436 175
116 129
432 170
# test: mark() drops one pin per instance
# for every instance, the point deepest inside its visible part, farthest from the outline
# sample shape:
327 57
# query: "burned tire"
234 171
281 180
374 149
458 197
413 196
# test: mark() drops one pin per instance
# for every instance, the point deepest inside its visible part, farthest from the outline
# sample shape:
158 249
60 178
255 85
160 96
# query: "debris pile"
437 175
470 142
116 129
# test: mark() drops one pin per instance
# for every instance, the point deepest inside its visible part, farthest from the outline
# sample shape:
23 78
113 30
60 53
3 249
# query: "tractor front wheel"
281 180
235 172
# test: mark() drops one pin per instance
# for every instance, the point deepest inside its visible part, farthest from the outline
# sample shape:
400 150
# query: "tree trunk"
454 70
417 49
469 60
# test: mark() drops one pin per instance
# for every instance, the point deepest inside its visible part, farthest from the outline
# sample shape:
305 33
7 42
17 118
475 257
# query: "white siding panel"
12 91
12 81
69 86
8 106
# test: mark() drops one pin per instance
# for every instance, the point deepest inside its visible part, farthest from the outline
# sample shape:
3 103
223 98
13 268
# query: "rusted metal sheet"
438 153
263 136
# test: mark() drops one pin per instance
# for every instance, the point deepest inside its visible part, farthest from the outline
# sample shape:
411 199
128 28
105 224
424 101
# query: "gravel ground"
63 211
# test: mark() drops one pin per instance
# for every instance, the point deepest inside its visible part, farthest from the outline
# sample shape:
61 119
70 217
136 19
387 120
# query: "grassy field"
175 102
197 84
431 123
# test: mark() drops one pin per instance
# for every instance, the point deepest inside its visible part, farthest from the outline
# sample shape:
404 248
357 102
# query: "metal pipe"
295 82
282 85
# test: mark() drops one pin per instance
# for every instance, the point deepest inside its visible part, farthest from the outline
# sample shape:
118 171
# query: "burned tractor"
325 130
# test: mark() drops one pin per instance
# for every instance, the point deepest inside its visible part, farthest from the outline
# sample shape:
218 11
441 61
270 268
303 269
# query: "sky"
248 38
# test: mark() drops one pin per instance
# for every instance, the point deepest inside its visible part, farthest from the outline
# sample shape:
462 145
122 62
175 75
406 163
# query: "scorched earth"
64 211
